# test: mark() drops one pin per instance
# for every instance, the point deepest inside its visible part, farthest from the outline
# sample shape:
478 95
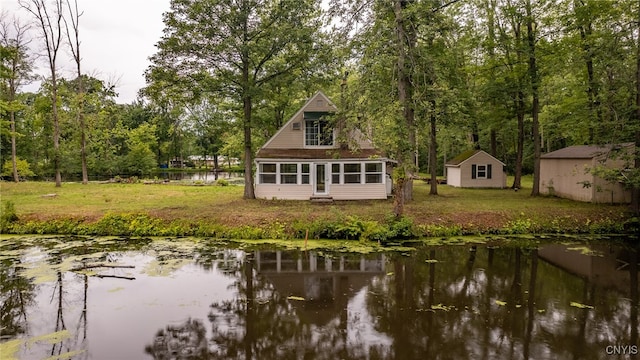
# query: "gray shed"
565 173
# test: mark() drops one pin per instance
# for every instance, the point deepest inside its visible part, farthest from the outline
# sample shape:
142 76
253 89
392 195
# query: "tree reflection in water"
458 302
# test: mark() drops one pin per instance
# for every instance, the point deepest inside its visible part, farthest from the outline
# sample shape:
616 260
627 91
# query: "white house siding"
453 176
358 192
288 191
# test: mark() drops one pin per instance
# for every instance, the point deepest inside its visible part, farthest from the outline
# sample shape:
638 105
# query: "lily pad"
580 306
442 307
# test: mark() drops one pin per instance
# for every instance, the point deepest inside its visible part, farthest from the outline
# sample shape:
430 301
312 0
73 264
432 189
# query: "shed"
565 173
476 169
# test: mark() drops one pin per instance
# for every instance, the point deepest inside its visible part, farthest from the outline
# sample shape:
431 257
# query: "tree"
50 25
635 192
16 65
535 85
231 49
73 36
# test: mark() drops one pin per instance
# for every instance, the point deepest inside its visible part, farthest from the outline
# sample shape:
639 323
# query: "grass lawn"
473 210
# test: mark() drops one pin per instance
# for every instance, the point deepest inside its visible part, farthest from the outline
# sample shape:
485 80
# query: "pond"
110 298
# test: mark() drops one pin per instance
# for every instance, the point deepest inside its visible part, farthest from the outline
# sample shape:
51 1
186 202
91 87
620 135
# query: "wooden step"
321 199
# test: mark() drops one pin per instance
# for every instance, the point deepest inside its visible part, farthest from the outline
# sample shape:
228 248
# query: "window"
267 173
481 171
288 173
373 173
335 173
305 173
317 130
352 173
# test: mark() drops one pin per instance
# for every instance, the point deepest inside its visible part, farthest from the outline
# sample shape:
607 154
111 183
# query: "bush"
24 170
8 216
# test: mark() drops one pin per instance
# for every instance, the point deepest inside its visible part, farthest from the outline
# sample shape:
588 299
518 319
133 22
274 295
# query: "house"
326 283
565 173
304 161
476 169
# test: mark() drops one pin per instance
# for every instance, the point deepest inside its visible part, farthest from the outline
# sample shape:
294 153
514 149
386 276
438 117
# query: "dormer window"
317 129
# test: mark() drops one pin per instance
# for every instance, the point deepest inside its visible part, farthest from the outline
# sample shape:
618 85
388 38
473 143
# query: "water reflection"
106 298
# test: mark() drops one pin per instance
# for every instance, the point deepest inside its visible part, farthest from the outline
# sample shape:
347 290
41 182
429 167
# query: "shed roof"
583 151
468 155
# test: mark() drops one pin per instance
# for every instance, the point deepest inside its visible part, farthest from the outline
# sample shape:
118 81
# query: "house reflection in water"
184 341
604 265
325 283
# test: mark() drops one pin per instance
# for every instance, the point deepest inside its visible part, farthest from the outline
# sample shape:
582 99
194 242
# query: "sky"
117 38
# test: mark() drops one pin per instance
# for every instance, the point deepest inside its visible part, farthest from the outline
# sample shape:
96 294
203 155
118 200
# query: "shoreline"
220 212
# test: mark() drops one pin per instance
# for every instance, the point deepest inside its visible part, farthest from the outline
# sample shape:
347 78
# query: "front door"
320 187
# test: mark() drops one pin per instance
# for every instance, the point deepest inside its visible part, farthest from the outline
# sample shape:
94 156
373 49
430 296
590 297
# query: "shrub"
222 182
23 168
8 216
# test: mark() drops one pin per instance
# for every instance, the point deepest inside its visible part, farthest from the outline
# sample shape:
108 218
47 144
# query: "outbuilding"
567 173
476 169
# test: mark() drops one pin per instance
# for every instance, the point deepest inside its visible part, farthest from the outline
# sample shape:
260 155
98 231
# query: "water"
205 177
106 298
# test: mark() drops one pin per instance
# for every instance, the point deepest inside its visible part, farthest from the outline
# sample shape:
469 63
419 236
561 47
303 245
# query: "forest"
424 79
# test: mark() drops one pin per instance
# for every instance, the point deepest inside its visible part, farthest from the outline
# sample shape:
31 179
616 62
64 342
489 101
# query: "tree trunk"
56 126
249 192
585 30
635 191
12 120
52 35
535 107
407 157
433 151
519 103
14 161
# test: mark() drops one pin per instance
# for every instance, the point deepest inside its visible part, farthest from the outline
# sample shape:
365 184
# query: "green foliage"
8 216
24 170
519 226
433 230
222 182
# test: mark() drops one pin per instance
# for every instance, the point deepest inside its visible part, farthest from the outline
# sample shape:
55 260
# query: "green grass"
453 211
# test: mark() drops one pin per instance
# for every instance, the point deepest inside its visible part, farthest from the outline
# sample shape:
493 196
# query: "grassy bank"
220 211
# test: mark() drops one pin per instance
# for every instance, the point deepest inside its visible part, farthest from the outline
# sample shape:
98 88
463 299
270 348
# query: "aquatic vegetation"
580 306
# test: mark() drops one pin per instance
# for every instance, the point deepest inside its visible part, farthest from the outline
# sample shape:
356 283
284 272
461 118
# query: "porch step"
321 199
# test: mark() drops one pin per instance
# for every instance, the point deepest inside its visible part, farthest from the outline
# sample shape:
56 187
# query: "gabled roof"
584 151
276 148
458 160
310 101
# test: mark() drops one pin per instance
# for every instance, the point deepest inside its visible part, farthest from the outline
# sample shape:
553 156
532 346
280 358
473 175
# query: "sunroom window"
352 173
267 173
288 173
305 173
335 173
373 173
